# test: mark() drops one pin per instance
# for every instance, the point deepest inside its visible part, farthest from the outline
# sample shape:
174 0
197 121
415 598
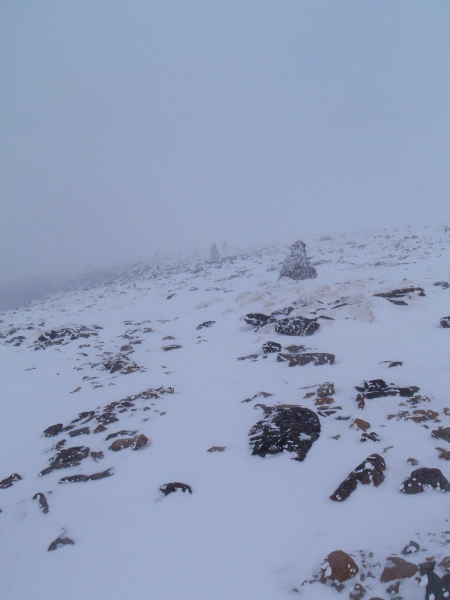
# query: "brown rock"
445 563
358 592
370 471
339 566
134 443
360 424
397 568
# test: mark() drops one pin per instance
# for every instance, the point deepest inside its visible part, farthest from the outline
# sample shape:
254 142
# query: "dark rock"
441 433
294 349
445 285
206 324
83 478
358 592
270 347
378 388
297 265
397 568
134 443
250 356
372 437
106 418
111 436
395 363
436 589
259 319
171 347
326 389
43 504
216 449
168 488
360 424
293 429
283 311
445 322
9 481
97 455
53 430
401 293
68 457
60 541
81 431
100 428
339 566
445 563
316 358
411 548
297 326
423 478
412 461
370 471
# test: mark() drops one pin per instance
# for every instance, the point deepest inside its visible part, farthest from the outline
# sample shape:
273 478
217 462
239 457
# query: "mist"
129 128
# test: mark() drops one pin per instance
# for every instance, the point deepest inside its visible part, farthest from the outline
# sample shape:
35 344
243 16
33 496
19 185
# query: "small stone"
397 568
445 563
326 389
412 461
360 424
445 454
81 431
441 433
216 449
168 488
60 541
206 324
445 322
134 443
339 566
411 548
393 588
53 430
43 504
271 347
9 481
358 592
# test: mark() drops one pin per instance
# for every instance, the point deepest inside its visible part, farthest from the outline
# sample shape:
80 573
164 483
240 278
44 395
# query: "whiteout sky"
129 127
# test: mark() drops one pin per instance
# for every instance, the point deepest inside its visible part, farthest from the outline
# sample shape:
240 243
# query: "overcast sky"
133 126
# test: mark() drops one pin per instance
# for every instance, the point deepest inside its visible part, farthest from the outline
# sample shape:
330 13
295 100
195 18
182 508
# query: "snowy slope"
253 527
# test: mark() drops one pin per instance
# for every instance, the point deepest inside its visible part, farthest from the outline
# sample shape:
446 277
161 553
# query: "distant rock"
370 471
441 433
171 347
134 443
395 295
339 566
259 319
444 284
297 326
378 388
43 504
67 457
411 548
215 256
270 347
316 358
169 488
53 430
79 477
445 322
206 324
326 389
297 265
283 311
9 481
293 429
216 449
397 568
424 478
60 541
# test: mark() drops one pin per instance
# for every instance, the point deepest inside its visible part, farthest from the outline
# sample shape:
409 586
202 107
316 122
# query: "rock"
436 589
270 347
377 388
445 322
60 541
360 424
441 433
9 481
53 430
445 284
205 324
445 454
358 592
79 477
106 418
316 358
259 319
100 428
372 437
424 478
326 389
297 326
370 471
216 449
394 295
294 349
171 347
411 548
292 428
123 432
43 504
445 563
412 461
134 443
68 457
81 431
397 568
97 455
283 311
297 265
168 488
395 363
339 566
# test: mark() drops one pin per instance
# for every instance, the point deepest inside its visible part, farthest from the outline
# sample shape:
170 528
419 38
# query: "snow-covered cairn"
297 265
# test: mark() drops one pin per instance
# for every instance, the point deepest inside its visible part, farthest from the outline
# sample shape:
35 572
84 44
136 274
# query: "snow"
253 528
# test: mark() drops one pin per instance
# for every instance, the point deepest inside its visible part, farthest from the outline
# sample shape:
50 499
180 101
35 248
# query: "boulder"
259 319
67 457
316 358
270 347
43 504
339 566
441 433
60 541
397 568
297 265
168 488
291 428
134 443
53 430
79 477
424 478
205 324
445 322
9 481
297 326
370 471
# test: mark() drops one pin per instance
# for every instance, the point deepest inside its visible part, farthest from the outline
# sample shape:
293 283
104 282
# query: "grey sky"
129 127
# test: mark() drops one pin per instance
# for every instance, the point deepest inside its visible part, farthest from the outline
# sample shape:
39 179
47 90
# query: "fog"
130 127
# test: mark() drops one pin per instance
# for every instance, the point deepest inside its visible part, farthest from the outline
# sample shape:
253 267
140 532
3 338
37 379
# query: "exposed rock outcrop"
370 471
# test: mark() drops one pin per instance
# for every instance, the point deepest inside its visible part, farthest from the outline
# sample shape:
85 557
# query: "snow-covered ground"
253 528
